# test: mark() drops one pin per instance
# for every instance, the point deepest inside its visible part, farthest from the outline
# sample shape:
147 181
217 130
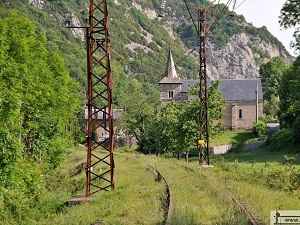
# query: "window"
240 114
171 94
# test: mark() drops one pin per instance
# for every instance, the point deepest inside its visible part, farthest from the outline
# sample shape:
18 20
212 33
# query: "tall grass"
199 195
138 197
197 199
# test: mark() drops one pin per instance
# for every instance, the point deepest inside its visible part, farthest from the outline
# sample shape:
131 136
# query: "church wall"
166 88
240 115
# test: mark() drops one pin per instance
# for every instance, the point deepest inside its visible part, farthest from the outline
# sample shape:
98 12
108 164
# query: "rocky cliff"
241 57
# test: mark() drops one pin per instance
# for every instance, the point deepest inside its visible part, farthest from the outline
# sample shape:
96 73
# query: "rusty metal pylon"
202 29
100 160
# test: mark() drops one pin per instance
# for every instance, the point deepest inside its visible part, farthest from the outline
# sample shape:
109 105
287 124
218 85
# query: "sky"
265 13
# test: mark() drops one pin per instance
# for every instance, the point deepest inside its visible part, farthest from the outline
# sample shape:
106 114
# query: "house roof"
233 89
170 72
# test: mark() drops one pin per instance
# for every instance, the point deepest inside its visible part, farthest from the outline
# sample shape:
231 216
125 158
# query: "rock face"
37 3
241 57
78 33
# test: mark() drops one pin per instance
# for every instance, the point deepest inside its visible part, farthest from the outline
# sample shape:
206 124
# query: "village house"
244 97
102 131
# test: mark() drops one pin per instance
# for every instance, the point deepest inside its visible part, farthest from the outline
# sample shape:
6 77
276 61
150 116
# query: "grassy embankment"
198 197
264 179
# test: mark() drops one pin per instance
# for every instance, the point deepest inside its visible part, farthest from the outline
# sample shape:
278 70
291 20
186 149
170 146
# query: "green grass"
231 137
263 158
201 196
195 199
138 197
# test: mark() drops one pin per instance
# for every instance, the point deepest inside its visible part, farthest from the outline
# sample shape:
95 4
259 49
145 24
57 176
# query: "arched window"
240 114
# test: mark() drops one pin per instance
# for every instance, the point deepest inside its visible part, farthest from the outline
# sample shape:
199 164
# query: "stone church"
244 97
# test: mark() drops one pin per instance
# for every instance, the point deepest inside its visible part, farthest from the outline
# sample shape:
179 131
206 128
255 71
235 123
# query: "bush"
289 160
281 139
259 129
287 178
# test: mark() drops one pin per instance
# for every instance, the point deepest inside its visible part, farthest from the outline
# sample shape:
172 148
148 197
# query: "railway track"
168 206
253 220
169 201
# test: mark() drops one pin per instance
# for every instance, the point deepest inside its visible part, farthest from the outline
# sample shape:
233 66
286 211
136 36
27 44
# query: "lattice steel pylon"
202 29
100 160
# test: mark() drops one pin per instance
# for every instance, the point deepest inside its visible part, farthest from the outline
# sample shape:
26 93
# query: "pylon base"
76 200
205 166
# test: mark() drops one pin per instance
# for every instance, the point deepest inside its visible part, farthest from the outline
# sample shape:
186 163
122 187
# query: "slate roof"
233 89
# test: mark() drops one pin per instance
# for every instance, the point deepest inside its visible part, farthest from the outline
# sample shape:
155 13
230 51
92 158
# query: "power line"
239 5
217 21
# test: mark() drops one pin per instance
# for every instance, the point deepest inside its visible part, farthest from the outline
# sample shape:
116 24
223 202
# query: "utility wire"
217 21
212 26
239 5
222 19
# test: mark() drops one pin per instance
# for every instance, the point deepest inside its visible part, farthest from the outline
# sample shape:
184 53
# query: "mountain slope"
140 40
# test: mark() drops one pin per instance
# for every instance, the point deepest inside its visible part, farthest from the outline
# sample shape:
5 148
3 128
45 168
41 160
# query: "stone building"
244 97
102 130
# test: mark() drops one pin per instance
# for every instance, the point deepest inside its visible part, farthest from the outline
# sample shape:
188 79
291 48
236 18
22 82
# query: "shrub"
259 129
281 139
289 159
287 178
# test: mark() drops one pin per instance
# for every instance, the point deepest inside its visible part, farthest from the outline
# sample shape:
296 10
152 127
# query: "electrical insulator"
233 13
162 6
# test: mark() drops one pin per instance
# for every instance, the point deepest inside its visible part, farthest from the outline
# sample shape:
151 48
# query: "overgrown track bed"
252 219
168 205
195 199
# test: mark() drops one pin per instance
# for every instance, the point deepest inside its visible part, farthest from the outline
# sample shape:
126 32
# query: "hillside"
140 40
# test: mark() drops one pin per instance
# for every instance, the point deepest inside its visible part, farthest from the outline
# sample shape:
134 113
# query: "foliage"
271 74
286 178
280 140
144 66
259 129
37 105
290 18
223 30
175 127
289 114
138 111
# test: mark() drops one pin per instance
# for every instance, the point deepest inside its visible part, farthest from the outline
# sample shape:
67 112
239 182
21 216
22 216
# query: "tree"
290 18
138 103
38 100
175 128
270 74
290 95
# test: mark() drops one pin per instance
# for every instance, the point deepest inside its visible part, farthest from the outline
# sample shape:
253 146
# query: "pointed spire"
170 76
170 71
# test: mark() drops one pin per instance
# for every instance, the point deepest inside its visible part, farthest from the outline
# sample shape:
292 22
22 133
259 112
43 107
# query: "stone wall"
217 150
164 92
233 121
125 141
